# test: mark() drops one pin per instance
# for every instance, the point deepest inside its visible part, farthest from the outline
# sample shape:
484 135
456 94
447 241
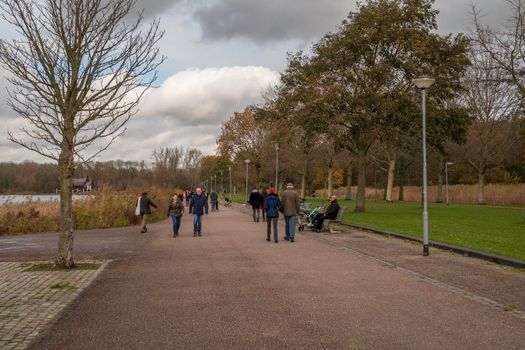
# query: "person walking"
255 201
264 194
145 205
198 207
175 211
291 206
272 206
214 197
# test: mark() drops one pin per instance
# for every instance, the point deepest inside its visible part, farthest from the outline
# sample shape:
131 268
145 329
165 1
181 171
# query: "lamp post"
423 83
277 167
447 164
215 182
247 161
230 170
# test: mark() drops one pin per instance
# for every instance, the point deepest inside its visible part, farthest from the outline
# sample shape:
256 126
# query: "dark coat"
332 210
272 205
199 205
145 205
256 200
214 196
176 208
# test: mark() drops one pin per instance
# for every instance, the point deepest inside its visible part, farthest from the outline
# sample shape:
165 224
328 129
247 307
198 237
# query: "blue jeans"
176 224
197 223
290 226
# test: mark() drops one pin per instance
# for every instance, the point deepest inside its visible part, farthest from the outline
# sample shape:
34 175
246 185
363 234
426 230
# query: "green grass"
44 267
238 198
499 231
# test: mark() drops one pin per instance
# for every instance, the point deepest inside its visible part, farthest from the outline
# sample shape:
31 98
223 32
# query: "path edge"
498 259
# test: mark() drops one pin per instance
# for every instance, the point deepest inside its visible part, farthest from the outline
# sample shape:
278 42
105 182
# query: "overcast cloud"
221 55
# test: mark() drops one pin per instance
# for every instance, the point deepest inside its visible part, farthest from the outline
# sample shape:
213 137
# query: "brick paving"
30 301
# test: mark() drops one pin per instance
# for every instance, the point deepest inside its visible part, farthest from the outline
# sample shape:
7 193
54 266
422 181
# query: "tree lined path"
233 290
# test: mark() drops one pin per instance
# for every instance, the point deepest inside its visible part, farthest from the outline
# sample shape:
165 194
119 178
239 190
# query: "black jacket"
145 205
256 200
332 210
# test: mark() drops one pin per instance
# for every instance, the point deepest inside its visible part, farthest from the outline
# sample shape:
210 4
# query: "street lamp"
446 176
423 83
247 161
277 167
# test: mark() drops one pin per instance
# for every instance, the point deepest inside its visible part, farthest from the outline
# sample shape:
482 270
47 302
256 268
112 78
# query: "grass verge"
494 230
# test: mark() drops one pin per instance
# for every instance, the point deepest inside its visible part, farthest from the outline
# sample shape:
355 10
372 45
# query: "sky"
221 55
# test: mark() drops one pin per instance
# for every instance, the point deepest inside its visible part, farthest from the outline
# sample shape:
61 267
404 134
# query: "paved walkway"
30 300
233 290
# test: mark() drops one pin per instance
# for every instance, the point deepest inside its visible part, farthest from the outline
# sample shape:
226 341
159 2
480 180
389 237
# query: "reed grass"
105 209
495 194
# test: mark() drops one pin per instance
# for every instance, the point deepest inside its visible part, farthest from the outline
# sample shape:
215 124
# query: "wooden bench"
339 219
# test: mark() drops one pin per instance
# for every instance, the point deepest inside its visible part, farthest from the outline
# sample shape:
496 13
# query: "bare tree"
506 45
166 164
78 71
492 104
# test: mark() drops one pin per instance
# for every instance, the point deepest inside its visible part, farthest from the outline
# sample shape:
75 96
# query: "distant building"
83 185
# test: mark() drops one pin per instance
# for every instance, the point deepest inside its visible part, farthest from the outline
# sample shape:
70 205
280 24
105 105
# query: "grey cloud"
271 20
154 8
456 16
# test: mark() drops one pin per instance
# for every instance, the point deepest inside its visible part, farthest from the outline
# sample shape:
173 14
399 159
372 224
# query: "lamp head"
247 161
423 82
450 163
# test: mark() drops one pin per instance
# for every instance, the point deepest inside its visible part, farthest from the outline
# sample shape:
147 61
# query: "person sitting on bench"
330 213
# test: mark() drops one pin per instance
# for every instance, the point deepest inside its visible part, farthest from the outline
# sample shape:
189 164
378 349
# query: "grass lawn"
495 230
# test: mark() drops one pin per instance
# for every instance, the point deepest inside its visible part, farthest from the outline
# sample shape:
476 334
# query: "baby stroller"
227 202
307 216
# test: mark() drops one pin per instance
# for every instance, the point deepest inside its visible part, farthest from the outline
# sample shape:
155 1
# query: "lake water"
9 199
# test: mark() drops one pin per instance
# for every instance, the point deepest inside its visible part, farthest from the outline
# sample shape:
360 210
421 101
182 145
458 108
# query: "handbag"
137 208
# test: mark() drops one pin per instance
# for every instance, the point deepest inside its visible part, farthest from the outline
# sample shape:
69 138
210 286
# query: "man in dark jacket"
198 207
330 213
272 206
214 201
256 201
145 210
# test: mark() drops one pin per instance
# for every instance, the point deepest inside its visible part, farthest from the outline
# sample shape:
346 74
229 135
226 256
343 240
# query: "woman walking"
175 211
272 205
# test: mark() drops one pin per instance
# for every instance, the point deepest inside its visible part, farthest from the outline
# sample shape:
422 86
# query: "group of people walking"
271 206
197 203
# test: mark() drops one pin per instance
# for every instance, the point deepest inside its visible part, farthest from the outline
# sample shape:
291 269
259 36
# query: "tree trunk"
440 189
348 193
65 242
390 180
330 181
303 180
361 185
481 192
402 171
440 182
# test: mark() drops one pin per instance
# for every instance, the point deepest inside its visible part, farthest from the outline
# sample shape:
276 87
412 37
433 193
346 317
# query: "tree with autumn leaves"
352 97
